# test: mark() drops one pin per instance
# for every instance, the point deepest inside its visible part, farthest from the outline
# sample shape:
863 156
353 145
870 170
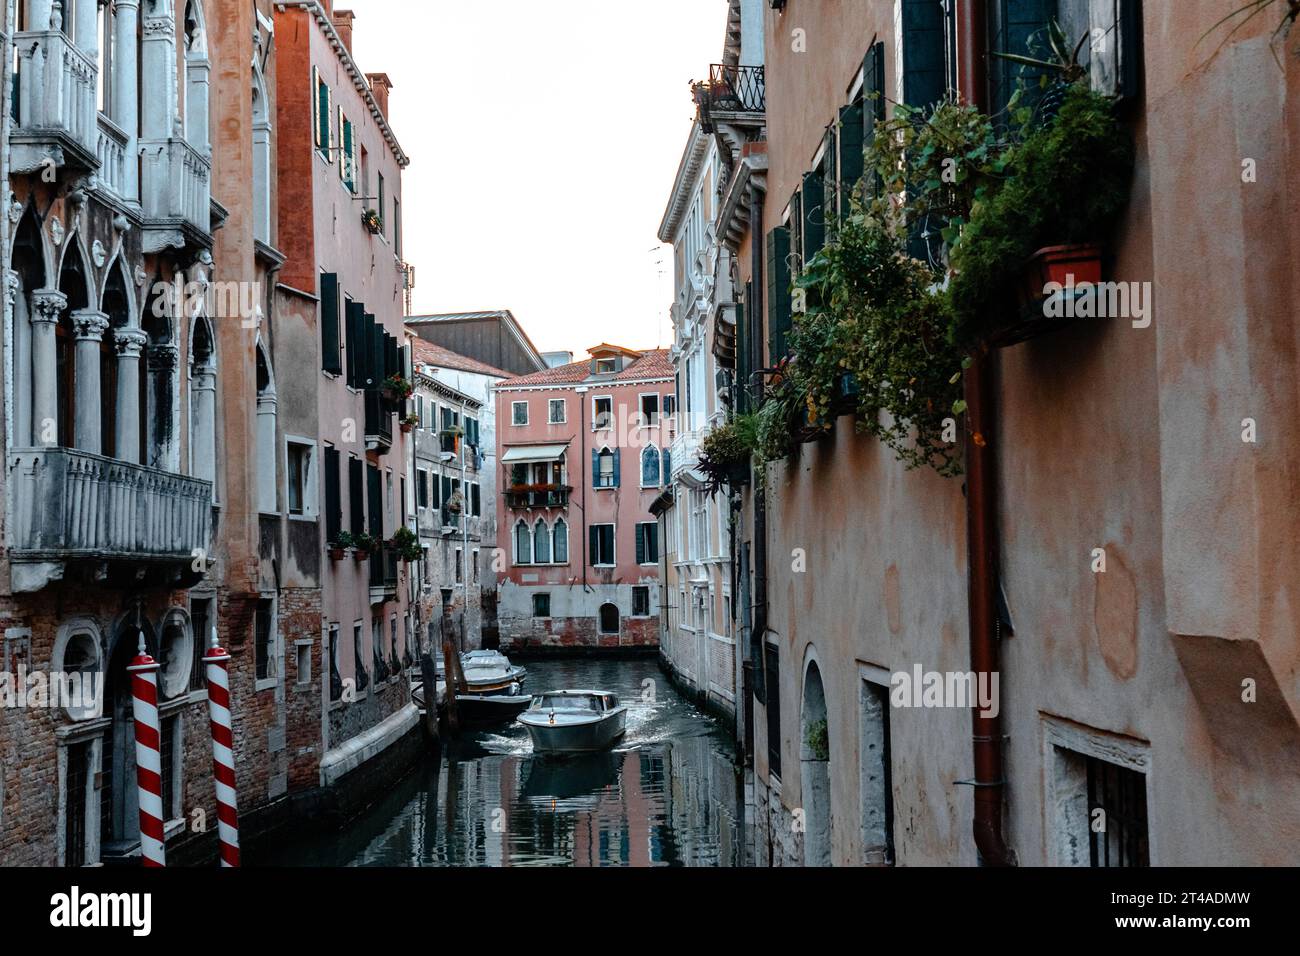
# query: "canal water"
667 795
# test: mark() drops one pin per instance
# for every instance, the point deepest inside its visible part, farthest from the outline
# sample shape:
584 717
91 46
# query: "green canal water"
667 795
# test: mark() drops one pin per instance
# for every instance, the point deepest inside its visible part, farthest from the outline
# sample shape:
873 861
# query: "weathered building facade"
583 452
1125 686
453 490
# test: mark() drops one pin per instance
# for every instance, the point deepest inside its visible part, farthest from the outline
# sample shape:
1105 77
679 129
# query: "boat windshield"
563 702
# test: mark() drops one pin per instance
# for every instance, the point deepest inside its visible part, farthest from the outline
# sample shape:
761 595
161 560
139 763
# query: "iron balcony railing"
519 498
730 89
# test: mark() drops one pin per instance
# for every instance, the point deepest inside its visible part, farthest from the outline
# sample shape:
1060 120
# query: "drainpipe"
581 392
982 545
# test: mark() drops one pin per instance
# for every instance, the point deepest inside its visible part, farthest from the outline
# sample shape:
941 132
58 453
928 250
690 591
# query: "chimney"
342 20
380 85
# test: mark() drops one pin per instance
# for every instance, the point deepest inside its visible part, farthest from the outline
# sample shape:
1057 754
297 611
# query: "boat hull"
491 708
586 737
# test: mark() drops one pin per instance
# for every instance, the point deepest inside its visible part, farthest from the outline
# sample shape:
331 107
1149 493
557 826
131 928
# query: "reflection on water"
667 795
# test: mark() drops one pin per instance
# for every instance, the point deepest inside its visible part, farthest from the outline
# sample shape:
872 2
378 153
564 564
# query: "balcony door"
73 283
119 826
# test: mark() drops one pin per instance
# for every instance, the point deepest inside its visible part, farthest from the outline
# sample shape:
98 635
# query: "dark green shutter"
375 501
814 215
618 471
778 292
331 359
356 495
476 500
668 468
849 156
741 402
1021 28
595 468
640 544
873 99
925 76
595 545
333 500
446 489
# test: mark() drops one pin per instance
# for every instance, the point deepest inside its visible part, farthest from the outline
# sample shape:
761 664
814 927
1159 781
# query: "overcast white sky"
543 140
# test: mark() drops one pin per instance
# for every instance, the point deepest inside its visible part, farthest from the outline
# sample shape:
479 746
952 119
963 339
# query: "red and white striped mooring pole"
223 750
148 762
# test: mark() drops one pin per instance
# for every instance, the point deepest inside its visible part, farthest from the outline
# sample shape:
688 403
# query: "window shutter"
315 107
595 468
668 468
375 496
618 471
356 495
595 545
873 92
476 500
640 544
814 216
741 399
924 69
652 533
374 351
333 502
849 161
344 139
1021 29
778 292
331 360
356 350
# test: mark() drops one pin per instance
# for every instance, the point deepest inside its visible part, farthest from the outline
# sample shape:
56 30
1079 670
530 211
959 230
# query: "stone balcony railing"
55 98
68 504
111 149
176 187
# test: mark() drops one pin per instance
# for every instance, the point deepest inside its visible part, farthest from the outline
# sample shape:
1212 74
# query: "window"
336 679
772 658
322 116
476 500
609 619
523 543
303 661
640 601
1118 796
460 566
602 413
299 479
606 366
397 231
650 467
560 542
541 605
602 545
647 542
557 411
264 639
475 565
421 488
670 406
381 206
356 496
358 659
169 758
201 623
519 413
347 153
74 815
649 410
541 543
875 771
333 494
605 468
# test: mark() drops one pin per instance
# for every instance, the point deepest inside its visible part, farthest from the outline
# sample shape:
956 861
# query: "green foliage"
343 539
406 544
1067 182
365 543
727 448
818 740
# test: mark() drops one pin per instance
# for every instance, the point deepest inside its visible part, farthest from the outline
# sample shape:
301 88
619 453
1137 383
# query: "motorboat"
574 721
498 707
489 672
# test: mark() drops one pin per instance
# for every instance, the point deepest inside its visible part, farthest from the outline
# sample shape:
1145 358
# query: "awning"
521 454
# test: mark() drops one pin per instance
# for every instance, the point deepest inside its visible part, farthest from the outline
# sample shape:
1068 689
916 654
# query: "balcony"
383 575
110 148
732 95
379 422
69 504
175 194
523 497
55 108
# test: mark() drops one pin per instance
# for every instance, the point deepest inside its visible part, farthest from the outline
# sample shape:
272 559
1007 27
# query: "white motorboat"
575 721
490 672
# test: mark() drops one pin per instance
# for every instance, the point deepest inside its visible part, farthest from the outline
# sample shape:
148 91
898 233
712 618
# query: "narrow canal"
667 795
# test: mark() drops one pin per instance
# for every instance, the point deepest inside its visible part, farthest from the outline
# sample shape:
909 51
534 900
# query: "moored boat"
574 721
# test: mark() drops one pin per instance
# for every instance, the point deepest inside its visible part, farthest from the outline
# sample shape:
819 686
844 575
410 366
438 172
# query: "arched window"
609 619
523 543
650 467
197 70
605 468
541 543
28 264
203 401
560 540
158 382
261 159
73 283
266 412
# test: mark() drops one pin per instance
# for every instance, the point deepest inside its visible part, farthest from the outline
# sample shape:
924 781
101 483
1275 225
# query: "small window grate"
1120 793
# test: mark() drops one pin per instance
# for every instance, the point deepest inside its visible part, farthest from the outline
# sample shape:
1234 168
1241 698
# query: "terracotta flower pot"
337 554
1064 265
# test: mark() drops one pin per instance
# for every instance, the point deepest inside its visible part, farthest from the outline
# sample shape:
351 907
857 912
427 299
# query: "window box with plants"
397 388
726 452
364 545
409 422
373 221
405 545
338 548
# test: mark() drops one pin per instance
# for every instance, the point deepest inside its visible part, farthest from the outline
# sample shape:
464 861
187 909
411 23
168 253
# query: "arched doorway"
814 769
119 807
158 382
74 284
28 264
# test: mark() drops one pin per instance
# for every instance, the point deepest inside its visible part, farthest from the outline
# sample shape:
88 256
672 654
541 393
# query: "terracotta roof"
652 364
426 353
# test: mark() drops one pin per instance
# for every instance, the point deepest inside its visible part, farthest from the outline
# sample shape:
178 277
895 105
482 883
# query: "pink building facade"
583 452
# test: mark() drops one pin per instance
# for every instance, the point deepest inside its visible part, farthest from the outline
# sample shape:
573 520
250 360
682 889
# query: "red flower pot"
337 554
1078 264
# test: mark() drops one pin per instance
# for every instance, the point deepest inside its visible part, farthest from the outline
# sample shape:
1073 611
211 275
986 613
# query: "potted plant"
339 546
364 546
406 544
397 387
456 503
408 423
372 221
725 452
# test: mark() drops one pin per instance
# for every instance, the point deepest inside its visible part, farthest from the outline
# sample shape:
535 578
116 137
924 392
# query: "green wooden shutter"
1021 29
333 501
331 358
595 468
742 356
848 159
356 495
873 94
375 501
372 374
778 292
640 544
594 542
356 342
814 215
667 476
924 60
324 137
618 471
